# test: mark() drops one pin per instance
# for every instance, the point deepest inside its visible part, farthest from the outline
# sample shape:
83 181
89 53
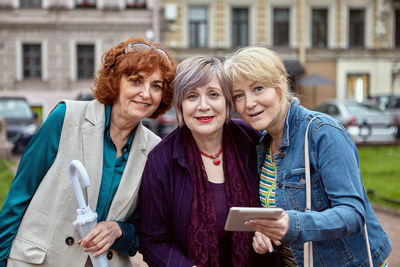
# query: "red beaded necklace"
215 158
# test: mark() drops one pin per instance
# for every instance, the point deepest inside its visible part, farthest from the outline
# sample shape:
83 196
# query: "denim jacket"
340 205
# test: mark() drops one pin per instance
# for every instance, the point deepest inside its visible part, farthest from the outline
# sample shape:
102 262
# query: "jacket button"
109 255
69 241
280 185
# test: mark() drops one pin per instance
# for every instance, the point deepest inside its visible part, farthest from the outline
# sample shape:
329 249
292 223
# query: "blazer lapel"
93 138
126 196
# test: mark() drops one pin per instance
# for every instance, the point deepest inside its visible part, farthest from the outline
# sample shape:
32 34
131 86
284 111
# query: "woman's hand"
273 229
262 244
101 238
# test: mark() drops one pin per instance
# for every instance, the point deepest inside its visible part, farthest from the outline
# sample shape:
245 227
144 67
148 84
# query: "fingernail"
271 249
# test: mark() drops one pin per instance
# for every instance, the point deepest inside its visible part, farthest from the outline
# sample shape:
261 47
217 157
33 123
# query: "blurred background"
342 57
332 49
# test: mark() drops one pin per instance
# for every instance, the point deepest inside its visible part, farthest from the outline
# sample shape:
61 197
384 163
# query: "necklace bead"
216 160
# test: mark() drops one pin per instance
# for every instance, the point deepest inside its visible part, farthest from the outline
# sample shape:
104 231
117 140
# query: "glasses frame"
138 46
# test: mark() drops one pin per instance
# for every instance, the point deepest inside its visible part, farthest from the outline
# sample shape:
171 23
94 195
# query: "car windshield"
361 109
15 109
394 102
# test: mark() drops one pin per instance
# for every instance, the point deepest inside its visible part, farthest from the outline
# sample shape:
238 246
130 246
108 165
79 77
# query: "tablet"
237 216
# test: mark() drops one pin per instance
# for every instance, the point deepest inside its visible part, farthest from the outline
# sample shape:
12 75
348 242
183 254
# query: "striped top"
267 191
267 182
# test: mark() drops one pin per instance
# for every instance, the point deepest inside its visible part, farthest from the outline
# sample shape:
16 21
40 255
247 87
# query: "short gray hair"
195 72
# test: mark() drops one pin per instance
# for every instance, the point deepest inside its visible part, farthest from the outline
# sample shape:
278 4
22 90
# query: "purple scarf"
202 238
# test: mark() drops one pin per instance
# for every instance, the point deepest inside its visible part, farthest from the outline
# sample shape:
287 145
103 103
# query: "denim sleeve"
38 156
336 158
128 243
156 237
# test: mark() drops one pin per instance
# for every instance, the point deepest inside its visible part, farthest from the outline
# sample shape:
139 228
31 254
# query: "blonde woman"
340 206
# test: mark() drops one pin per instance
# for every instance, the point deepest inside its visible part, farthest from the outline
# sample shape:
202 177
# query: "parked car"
390 104
166 123
21 124
363 121
85 96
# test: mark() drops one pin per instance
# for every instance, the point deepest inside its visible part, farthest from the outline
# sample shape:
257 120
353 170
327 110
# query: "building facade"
353 43
50 49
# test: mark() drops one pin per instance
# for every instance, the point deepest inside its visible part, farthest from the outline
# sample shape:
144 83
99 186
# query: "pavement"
389 219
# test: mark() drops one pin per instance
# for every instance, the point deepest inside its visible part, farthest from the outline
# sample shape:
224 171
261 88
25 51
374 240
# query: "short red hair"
116 63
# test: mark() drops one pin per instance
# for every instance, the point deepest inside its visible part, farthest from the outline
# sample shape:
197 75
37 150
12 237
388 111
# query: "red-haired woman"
107 136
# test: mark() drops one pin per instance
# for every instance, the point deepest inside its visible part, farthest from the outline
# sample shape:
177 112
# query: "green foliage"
380 171
6 177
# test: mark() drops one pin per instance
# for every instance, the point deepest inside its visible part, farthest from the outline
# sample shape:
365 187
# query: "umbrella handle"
77 167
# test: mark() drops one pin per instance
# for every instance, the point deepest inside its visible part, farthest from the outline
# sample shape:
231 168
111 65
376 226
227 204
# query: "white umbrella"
86 219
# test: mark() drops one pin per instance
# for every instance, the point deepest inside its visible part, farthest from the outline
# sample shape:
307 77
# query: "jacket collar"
93 137
179 151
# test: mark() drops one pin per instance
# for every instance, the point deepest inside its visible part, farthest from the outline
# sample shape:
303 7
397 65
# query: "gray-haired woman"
195 174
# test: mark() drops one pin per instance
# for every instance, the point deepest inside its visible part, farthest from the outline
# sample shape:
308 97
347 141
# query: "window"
240 27
358 86
136 3
356 27
31 3
32 61
281 27
397 28
319 27
198 27
86 3
85 61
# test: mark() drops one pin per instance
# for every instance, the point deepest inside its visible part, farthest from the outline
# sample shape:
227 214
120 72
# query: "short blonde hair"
258 64
195 72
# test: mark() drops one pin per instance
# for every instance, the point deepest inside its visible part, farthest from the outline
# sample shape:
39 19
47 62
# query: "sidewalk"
390 220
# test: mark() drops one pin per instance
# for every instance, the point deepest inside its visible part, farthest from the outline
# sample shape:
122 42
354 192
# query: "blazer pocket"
26 251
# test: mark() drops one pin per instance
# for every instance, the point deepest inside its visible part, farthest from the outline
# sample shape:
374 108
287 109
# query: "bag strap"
308 255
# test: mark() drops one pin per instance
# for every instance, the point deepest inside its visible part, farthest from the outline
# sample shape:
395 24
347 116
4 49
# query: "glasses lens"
163 52
137 47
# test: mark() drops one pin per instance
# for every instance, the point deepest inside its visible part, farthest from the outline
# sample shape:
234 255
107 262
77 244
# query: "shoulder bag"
308 253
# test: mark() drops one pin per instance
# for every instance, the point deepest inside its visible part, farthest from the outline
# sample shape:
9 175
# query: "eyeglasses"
137 47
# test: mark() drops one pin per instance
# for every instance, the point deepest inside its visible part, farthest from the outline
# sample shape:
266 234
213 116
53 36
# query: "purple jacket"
166 195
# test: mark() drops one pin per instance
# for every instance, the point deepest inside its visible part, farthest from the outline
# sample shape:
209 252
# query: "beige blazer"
46 235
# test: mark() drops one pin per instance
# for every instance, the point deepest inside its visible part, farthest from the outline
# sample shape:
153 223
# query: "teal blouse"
38 157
